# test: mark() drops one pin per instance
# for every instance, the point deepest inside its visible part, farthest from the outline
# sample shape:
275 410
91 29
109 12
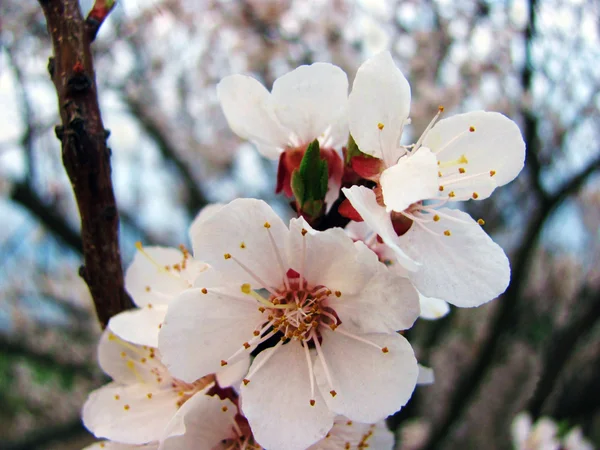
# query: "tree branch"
86 156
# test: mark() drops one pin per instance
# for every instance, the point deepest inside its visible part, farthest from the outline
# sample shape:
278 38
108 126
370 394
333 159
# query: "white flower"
110 445
143 398
305 104
431 308
574 440
541 436
347 434
154 278
463 157
334 307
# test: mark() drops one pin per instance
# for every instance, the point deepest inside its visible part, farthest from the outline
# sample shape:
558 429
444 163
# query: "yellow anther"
204 290
149 395
481 222
304 232
147 288
461 170
492 173
139 245
267 225
440 108
117 397
149 306
224 409
242 245
349 423
338 294
380 126
475 195
181 393
385 350
332 393
246 345
440 174
111 337
143 360
246 289
447 233
441 188
223 362
312 402
261 309
451 194
123 354
436 218
246 381
126 407
463 159
227 256
472 129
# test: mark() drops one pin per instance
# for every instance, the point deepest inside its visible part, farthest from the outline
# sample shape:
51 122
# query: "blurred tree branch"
86 156
40 439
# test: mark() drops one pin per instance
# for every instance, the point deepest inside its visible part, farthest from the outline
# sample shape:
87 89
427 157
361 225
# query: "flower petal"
202 422
200 330
349 434
370 384
139 326
465 269
276 402
151 279
311 99
238 233
127 363
387 304
496 144
380 95
426 376
412 179
329 258
134 414
378 219
248 109
433 308
109 445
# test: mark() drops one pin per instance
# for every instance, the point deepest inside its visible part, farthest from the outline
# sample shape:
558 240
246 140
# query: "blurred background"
157 62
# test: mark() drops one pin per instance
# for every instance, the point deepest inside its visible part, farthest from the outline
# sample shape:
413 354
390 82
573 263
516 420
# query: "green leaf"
314 173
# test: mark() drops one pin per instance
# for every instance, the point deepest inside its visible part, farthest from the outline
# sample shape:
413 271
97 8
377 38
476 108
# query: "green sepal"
309 182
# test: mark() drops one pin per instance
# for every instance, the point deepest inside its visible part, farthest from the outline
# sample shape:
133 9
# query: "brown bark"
85 154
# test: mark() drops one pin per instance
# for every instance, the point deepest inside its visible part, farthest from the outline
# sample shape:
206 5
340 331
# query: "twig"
97 15
85 154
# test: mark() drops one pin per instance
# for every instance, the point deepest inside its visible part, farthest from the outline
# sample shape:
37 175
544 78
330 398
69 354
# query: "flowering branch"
97 15
86 156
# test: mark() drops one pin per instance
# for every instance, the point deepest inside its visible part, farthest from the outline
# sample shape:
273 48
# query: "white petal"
238 229
310 99
370 384
380 95
329 258
133 414
200 330
379 220
248 109
433 308
125 362
149 282
465 269
426 375
520 430
387 304
202 422
109 445
232 374
344 432
412 179
139 326
496 144
276 402
206 212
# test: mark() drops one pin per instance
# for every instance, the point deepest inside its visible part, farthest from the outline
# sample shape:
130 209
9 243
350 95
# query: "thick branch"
85 155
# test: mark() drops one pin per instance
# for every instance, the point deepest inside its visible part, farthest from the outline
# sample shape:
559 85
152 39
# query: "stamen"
158 266
253 275
453 140
303 259
322 359
462 159
310 371
358 338
278 256
257 367
247 289
429 127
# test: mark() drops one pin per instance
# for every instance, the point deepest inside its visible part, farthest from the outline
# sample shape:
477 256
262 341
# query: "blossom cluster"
544 435
288 336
